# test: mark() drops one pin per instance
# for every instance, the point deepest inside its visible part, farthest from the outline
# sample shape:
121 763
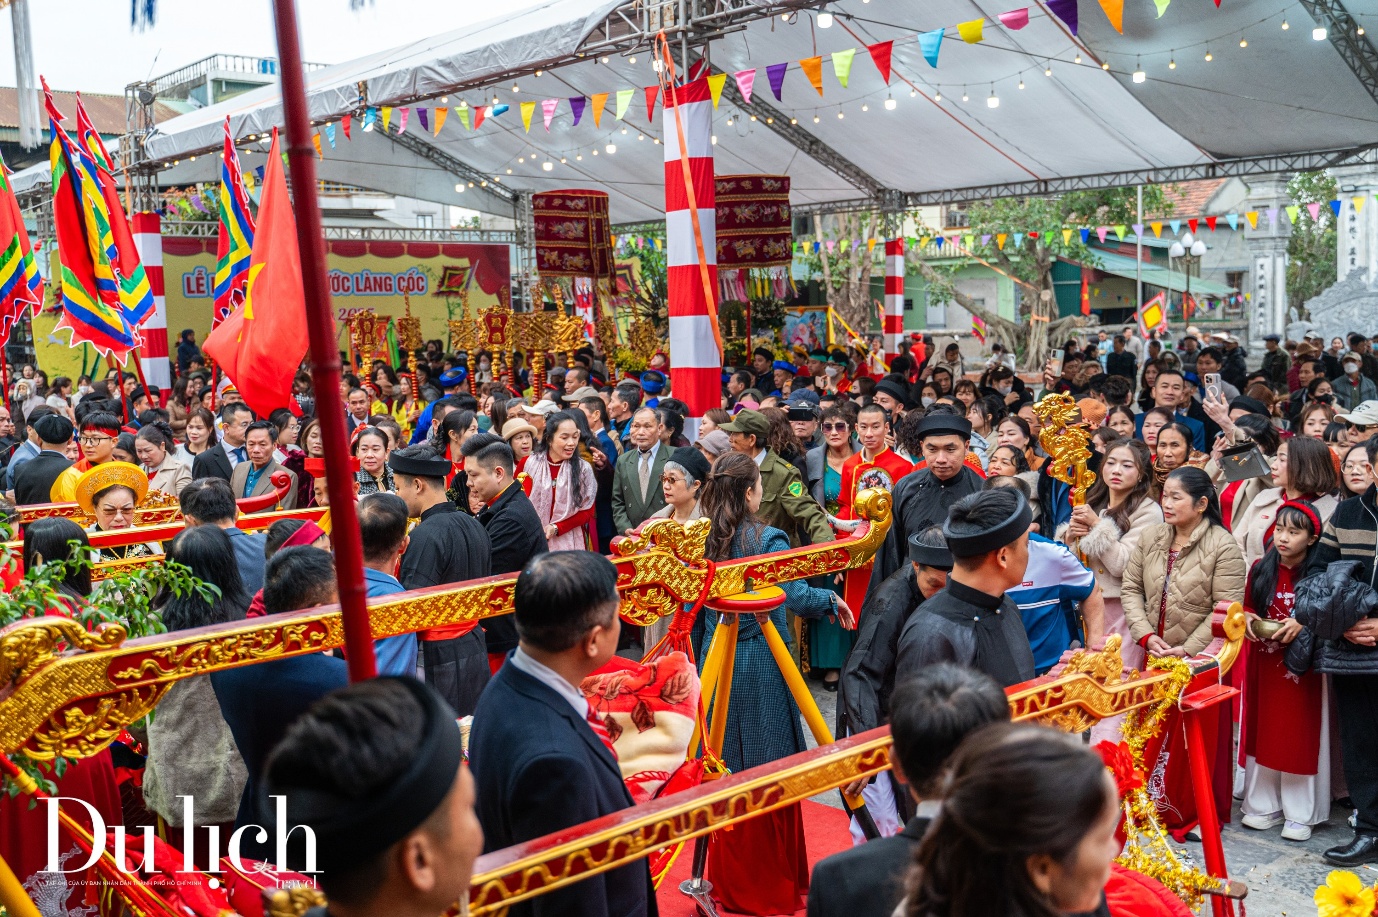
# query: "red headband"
1305 509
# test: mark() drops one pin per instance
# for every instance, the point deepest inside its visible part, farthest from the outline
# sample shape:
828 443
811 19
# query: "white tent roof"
1283 93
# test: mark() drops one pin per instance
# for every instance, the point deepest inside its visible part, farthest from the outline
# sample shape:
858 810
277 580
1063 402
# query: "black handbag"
1239 463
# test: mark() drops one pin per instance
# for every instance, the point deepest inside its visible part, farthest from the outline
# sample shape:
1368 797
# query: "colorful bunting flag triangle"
971 31
1066 10
1066 237
881 54
1015 20
624 98
746 79
1114 11
440 115
775 73
1233 220
715 85
842 65
651 93
528 109
548 107
1157 230
1358 202
930 43
599 101
813 69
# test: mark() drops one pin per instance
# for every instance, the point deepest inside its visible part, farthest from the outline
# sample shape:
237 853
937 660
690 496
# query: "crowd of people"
1214 484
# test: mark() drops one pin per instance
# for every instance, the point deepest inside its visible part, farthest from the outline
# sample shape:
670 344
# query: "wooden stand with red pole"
325 355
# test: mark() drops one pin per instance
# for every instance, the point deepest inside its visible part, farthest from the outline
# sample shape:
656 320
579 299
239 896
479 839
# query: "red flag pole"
325 355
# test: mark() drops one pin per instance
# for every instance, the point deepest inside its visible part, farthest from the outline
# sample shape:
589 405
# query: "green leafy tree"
845 270
650 297
1312 248
1029 262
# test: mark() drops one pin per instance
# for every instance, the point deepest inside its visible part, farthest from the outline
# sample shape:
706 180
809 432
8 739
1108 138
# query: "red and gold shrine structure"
66 692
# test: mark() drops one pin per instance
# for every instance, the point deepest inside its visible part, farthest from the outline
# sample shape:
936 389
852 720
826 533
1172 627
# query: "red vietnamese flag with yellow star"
262 343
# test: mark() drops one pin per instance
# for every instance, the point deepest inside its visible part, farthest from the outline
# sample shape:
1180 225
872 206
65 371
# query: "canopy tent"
1284 94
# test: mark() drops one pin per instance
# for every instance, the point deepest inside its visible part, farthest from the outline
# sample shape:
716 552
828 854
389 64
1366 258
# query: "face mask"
1351 367
927 400
1004 389
484 364
832 370
84 389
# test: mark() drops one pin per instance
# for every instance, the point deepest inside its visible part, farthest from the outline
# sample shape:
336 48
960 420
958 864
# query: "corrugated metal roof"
106 111
1158 276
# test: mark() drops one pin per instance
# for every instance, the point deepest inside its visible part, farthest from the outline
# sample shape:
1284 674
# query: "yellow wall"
359 279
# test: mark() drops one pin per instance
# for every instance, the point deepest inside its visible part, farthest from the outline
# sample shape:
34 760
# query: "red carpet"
825 832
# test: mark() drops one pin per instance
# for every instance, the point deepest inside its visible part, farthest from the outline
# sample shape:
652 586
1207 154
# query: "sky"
89 45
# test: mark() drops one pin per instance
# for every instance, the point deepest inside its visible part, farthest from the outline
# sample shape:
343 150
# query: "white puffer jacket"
1107 549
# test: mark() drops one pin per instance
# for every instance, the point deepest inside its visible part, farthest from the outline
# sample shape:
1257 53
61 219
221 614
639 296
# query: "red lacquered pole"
325 354
1198 756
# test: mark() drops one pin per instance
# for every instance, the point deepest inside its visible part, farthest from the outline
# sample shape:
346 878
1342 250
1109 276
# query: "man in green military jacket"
786 503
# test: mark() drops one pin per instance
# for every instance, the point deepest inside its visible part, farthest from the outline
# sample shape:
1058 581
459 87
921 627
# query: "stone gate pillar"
1267 241
1357 224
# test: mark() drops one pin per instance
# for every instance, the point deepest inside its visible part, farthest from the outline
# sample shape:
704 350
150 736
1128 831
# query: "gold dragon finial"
1066 438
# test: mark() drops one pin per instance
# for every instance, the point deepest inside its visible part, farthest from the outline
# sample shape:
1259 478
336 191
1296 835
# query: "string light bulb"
1243 42
753 117
937 96
547 165
563 160
1209 55
1077 59
459 188
840 115
1319 33
1048 70
793 120
815 119
825 20
865 107
516 88
632 59
538 72
714 138
1359 31
1172 62
965 98
610 148
994 100
889 103
729 120
1285 25
1021 82
1139 75
578 157
1105 65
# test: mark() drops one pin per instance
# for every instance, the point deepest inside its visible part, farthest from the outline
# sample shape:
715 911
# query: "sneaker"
1262 822
1296 831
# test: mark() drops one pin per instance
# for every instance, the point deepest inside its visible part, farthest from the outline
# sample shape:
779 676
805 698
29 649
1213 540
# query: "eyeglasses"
835 427
94 440
671 479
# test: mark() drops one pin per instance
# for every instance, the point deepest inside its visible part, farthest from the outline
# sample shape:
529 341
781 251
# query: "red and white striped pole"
148 240
695 358
893 328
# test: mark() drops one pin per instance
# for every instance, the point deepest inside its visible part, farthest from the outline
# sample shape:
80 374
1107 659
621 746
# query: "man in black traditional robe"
923 497
868 675
446 546
972 621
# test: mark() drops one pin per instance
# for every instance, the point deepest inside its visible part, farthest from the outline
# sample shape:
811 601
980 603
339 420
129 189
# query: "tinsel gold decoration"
1146 848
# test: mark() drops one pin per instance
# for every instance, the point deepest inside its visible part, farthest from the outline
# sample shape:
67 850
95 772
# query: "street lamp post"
1188 250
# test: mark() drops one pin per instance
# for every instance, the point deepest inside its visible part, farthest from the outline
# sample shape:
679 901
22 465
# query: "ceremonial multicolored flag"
1085 292
91 303
236 237
261 344
978 328
21 287
135 293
